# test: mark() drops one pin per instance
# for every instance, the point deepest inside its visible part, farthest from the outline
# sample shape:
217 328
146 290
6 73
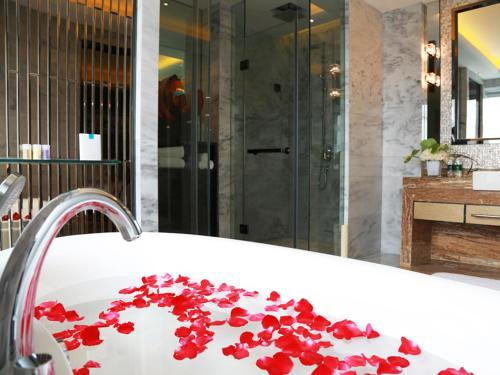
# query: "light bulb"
433 79
335 69
334 93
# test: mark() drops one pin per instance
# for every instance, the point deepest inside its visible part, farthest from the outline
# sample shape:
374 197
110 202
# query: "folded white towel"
171 152
172 163
165 161
203 164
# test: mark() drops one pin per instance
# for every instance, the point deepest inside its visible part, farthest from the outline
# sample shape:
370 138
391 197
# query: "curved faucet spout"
19 280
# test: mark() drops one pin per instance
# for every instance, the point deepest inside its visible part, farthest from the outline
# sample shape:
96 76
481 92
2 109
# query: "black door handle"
282 150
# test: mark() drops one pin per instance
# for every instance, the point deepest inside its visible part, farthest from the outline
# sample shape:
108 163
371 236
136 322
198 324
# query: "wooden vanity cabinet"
445 222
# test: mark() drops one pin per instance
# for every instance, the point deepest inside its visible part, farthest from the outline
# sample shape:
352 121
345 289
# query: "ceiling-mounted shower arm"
289 12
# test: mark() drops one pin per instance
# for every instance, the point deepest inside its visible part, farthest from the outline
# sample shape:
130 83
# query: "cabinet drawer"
485 215
453 213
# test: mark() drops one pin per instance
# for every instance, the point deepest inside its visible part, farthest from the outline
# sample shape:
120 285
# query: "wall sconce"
433 53
432 50
335 69
433 79
334 93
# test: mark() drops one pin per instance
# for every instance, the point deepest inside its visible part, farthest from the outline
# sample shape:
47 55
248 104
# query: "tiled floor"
439 266
387 259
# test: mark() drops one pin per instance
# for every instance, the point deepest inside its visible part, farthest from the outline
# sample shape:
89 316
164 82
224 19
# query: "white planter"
433 168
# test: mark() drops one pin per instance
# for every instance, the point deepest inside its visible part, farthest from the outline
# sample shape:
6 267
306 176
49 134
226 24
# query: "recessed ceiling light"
165 3
311 20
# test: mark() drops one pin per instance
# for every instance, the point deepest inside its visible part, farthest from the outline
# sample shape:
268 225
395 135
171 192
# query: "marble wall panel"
147 39
404 97
364 107
220 116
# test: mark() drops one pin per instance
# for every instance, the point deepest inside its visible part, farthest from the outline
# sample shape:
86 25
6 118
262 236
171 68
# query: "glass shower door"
288 117
268 65
186 152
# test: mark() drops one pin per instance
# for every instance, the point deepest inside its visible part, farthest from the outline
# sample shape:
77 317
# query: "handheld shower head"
10 189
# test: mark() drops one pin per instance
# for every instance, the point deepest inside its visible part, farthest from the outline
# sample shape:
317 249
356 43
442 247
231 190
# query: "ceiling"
481 28
387 5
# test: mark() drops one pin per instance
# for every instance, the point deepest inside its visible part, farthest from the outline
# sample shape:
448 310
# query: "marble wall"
146 113
404 98
220 108
487 156
365 77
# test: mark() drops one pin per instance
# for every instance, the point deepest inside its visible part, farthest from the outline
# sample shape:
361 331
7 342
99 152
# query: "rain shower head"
288 12
10 190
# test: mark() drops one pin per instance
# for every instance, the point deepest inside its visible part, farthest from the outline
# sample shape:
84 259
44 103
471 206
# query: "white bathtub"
457 323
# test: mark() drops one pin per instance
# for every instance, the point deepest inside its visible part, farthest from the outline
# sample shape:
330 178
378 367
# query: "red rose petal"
409 347
355 360
287 320
239 312
451 371
309 358
72 316
274 296
237 322
370 332
90 336
81 371
92 364
256 317
322 370
387 368
398 361
303 306
183 332
332 362
320 323
71 344
66 334
270 321
125 328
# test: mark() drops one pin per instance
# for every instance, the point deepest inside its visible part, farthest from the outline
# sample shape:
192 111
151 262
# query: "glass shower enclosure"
252 130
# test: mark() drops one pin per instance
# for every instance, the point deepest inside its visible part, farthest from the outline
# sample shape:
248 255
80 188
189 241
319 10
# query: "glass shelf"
58 161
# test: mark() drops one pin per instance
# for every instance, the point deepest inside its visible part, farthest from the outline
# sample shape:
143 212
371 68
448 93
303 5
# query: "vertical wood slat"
124 101
28 104
116 95
6 99
49 93
18 109
38 98
92 104
109 105
101 103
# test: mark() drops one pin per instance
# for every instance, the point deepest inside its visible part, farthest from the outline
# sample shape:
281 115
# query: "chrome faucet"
19 280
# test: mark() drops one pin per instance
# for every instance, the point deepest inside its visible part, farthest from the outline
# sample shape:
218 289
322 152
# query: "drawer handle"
486 216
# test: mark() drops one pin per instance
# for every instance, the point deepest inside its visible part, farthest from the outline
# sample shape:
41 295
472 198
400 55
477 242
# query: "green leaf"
413 153
429 143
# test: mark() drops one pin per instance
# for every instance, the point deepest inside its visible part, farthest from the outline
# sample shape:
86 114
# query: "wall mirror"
476 73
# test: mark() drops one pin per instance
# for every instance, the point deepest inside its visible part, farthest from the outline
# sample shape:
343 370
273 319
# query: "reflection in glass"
477 74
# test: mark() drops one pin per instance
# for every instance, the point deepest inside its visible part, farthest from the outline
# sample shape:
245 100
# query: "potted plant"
432 153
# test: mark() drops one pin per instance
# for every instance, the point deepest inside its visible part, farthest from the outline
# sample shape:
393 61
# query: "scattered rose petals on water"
292 331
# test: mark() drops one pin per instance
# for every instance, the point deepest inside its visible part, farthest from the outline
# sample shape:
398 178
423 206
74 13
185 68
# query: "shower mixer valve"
328 153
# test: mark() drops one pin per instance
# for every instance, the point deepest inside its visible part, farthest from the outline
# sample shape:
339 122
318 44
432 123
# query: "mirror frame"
455 140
